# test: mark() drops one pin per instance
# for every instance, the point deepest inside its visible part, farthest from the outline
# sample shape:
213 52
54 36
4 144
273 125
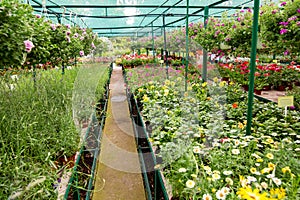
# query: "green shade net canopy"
135 18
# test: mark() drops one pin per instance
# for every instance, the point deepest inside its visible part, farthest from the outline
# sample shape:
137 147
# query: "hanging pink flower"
53 26
283 3
68 39
81 38
68 26
286 52
81 53
293 18
284 23
38 16
76 35
298 10
68 33
93 45
283 31
28 45
274 12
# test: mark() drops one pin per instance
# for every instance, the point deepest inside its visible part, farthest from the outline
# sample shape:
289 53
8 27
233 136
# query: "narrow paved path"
118 175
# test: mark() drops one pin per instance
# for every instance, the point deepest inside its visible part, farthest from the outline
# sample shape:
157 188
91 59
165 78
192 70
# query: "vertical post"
204 66
186 44
152 41
165 47
58 18
252 66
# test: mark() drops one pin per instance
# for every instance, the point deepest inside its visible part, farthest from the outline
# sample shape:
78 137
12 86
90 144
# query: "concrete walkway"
118 175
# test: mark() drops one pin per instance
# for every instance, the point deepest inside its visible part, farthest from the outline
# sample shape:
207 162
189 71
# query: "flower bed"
201 138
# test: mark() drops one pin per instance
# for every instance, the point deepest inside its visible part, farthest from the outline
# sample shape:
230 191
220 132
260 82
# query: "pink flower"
286 52
68 26
38 16
76 35
28 45
234 26
293 18
274 12
68 39
68 32
284 23
81 53
283 3
283 31
298 23
53 26
298 10
93 45
81 38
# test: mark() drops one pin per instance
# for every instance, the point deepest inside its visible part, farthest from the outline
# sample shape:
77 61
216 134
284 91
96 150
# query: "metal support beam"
186 44
252 66
204 65
165 48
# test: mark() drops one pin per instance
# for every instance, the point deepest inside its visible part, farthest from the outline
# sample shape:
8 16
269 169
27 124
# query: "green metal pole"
186 43
165 48
152 40
252 66
204 67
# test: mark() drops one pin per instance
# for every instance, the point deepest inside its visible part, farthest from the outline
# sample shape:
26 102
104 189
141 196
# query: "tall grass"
36 128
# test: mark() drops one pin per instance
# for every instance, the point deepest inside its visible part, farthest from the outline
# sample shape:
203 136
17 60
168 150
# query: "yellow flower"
145 98
166 92
189 88
231 83
204 84
216 79
194 175
222 83
270 140
213 190
152 87
270 156
271 165
241 125
179 79
259 160
140 89
249 194
278 193
185 94
286 169
172 83
167 82
265 170
190 184
253 170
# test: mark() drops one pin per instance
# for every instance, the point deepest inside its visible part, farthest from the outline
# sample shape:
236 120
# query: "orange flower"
235 105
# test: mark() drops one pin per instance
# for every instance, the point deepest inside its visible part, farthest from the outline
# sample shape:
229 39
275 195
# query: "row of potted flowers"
201 138
281 77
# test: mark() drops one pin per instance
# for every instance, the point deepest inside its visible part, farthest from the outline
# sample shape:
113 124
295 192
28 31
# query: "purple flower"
68 26
292 107
283 31
227 39
68 39
38 16
286 52
238 19
234 26
293 18
283 3
68 33
28 45
53 26
284 23
249 10
298 10
81 53
298 23
274 12
222 24
242 11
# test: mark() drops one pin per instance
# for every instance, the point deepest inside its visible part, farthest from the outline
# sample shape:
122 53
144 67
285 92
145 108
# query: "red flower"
235 105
